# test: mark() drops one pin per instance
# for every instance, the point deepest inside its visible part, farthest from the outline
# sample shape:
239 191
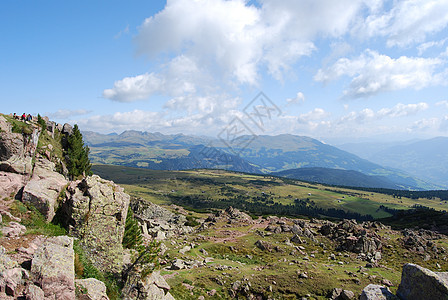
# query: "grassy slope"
157 186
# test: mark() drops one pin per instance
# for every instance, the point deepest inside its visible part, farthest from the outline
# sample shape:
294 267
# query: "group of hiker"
24 117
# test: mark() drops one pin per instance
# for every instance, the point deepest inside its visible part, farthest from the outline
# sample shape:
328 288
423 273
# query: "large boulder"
10 184
44 188
420 283
95 211
53 269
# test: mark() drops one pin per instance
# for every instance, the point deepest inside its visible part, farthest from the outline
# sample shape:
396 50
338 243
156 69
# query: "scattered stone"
184 249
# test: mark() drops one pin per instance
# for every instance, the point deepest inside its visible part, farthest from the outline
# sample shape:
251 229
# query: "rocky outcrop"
157 221
354 237
53 269
17 149
95 211
420 283
44 188
232 216
90 289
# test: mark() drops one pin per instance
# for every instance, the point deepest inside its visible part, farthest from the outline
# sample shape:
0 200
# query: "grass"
158 186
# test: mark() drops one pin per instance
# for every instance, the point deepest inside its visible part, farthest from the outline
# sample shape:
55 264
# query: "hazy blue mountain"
338 177
255 154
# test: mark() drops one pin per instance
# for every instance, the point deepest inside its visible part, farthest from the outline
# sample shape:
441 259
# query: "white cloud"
406 22
443 103
314 115
444 124
373 73
299 98
67 113
368 115
175 78
425 46
134 88
424 125
402 110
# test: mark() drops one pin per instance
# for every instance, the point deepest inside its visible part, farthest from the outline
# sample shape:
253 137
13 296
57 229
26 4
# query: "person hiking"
23 117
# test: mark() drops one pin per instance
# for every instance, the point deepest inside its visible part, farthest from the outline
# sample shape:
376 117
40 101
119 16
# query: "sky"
339 71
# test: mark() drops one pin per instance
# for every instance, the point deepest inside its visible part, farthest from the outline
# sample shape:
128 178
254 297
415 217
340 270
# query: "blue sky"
336 70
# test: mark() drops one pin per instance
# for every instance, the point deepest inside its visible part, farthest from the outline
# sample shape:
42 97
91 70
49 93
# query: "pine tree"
78 162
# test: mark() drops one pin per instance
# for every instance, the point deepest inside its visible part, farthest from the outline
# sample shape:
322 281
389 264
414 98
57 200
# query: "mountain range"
257 154
425 159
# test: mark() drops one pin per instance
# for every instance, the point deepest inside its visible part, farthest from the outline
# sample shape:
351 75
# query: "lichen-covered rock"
377 292
53 268
44 188
96 210
90 289
420 283
5 261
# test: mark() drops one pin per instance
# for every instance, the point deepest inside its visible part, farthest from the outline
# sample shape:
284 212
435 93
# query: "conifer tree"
78 162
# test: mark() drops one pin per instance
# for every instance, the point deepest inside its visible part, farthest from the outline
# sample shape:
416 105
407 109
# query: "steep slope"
337 177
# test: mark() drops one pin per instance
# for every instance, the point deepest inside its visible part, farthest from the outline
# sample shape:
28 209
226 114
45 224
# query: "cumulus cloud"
373 73
444 124
406 22
299 98
314 115
368 115
402 110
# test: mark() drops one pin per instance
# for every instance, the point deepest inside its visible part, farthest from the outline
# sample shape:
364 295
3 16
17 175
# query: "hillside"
337 177
214 235
263 154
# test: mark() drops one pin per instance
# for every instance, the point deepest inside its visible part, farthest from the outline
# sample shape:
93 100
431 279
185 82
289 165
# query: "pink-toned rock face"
10 184
43 189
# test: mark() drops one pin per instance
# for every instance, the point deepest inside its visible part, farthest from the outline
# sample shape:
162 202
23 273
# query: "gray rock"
178 264
420 283
158 280
347 295
67 129
90 289
376 292
53 268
